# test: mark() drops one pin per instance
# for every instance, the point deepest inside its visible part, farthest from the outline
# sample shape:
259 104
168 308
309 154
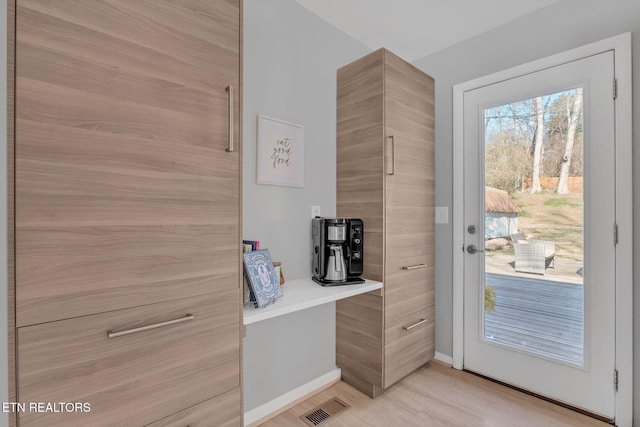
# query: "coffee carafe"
336 268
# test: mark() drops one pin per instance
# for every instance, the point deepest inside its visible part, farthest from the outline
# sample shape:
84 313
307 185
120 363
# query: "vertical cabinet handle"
230 149
393 155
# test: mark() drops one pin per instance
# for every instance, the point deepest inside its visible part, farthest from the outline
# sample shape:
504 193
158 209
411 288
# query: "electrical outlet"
315 211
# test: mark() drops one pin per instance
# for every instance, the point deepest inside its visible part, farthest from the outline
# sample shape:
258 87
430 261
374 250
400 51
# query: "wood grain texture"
11 261
404 350
176 42
436 395
410 192
359 337
222 411
359 134
104 268
125 195
361 385
129 380
410 291
239 143
359 188
385 175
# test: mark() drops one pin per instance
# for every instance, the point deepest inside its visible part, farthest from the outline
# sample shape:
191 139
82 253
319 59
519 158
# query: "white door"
539 293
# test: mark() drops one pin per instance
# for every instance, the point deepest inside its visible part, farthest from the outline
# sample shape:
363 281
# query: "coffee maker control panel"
357 245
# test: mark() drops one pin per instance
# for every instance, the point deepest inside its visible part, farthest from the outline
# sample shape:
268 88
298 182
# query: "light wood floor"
437 395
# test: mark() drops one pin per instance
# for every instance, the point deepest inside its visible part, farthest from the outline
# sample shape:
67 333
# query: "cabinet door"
125 194
222 411
359 337
409 344
360 194
190 356
409 191
359 133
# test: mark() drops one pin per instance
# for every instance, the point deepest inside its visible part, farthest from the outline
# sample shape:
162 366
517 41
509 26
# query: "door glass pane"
533 226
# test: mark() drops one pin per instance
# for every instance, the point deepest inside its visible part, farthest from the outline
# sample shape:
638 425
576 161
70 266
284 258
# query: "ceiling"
415 28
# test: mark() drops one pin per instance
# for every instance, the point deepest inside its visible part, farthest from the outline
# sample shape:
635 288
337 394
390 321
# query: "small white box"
442 214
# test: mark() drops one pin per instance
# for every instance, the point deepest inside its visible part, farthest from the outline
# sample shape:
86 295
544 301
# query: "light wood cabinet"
385 175
222 411
405 350
124 192
137 378
127 206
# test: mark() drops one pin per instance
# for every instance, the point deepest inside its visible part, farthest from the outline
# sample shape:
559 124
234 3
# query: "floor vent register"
327 410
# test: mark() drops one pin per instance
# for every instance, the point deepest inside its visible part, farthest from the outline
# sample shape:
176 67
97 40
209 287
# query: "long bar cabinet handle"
393 155
186 318
415 325
414 267
230 149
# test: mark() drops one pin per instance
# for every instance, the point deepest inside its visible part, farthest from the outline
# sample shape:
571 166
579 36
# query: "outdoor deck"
537 315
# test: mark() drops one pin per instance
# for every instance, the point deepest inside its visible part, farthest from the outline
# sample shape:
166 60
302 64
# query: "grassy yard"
550 216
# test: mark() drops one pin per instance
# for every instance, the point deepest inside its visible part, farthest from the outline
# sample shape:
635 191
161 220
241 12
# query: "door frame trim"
621 46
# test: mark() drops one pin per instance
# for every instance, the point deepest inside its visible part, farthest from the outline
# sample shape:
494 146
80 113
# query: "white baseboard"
444 358
276 405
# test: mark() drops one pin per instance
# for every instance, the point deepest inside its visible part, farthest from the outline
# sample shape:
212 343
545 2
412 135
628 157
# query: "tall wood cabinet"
385 175
127 211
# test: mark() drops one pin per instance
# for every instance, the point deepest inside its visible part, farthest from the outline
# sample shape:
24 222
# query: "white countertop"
300 294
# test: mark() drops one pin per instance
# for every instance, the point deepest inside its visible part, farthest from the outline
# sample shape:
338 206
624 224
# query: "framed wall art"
280 152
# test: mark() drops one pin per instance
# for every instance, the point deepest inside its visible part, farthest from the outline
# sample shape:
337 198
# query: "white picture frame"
280 152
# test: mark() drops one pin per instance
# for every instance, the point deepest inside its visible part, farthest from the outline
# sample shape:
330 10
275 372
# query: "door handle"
230 149
186 318
414 267
415 325
472 249
393 155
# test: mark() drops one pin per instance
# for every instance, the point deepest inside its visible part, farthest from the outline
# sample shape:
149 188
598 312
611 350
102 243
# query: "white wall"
556 28
4 384
290 62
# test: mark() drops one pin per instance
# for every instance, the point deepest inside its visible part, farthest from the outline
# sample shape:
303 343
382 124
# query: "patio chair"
549 251
529 257
517 237
534 256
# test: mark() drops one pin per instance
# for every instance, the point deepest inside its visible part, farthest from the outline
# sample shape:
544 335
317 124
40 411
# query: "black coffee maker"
337 257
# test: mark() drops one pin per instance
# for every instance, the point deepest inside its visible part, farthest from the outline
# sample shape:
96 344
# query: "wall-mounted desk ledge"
301 294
